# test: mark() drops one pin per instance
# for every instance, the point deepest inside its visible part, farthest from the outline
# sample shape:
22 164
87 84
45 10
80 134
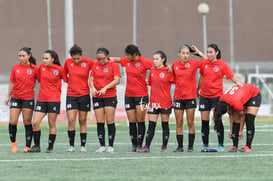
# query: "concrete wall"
162 24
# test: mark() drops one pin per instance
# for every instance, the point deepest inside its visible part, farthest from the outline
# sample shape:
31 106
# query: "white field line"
137 158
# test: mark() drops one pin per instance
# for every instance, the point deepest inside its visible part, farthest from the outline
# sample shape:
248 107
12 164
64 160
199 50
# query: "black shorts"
19 103
184 104
48 107
132 102
159 111
254 101
103 102
80 103
206 104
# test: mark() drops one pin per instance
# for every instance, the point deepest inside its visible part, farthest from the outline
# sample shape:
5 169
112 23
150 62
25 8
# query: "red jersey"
51 83
160 81
236 97
213 73
136 75
78 75
104 75
185 75
24 79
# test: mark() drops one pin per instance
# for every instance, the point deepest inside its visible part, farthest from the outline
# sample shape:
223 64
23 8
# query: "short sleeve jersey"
51 83
136 76
104 75
236 97
78 75
213 73
24 79
160 81
185 79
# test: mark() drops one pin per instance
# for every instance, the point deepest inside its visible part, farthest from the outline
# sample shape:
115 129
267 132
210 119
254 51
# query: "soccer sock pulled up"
235 133
250 129
141 133
101 133
205 132
150 133
51 140
133 133
83 137
111 133
28 134
166 133
220 134
71 137
12 132
37 136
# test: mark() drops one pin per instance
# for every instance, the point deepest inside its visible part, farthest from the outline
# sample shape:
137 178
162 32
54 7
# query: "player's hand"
230 134
6 101
102 91
241 135
94 91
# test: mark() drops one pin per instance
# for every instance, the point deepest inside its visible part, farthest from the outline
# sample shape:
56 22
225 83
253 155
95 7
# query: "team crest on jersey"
43 69
17 71
105 70
56 72
206 66
176 68
72 65
29 71
216 69
187 65
137 64
83 64
161 75
97 67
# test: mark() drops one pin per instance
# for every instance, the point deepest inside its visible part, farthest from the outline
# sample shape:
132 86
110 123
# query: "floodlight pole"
49 24
135 22
231 35
69 27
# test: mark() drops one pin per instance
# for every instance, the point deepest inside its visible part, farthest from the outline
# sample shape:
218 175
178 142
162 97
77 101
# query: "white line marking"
137 158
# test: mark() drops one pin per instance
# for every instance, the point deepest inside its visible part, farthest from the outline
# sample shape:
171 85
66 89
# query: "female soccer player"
78 94
239 101
185 93
105 76
48 101
20 96
136 94
210 84
160 100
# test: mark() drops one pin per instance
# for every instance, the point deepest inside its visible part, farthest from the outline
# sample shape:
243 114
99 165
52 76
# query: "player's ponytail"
162 56
220 110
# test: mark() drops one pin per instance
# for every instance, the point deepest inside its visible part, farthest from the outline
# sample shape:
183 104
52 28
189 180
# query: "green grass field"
257 165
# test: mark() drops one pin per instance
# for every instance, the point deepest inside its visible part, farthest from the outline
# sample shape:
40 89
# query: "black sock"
71 137
28 134
83 137
235 133
12 132
101 133
220 134
179 139
250 129
133 133
205 132
111 133
191 139
37 136
51 140
166 133
150 133
141 133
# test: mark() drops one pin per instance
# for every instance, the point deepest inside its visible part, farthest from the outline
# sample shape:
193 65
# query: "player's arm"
9 93
91 84
197 52
108 86
199 85
236 81
115 59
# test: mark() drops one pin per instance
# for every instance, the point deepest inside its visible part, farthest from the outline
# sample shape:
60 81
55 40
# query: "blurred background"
243 29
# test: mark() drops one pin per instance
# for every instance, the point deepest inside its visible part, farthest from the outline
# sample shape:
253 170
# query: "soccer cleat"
133 149
233 149
26 149
179 149
220 148
49 150
101 149
145 149
245 149
163 149
205 149
138 148
110 149
14 147
35 149
83 149
70 149
190 149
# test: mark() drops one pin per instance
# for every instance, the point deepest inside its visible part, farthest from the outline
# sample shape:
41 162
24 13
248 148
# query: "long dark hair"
162 55
32 60
54 55
220 110
217 49
132 49
75 50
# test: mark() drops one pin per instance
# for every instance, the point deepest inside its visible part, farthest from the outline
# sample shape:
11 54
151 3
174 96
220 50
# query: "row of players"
241 101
